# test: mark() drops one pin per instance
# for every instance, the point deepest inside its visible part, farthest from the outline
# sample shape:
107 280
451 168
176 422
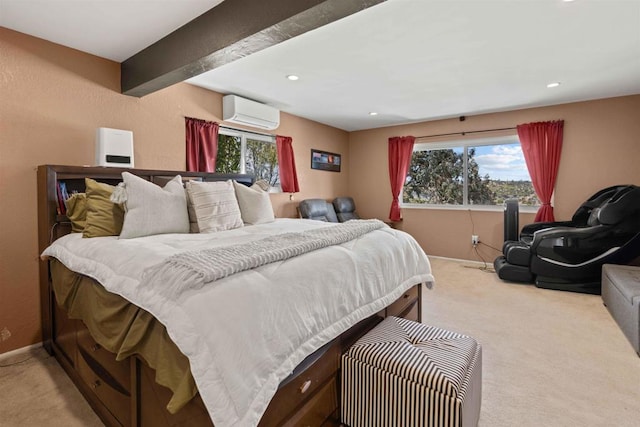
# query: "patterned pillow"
262 183
193 219
215 205
150 209
104 218
255 204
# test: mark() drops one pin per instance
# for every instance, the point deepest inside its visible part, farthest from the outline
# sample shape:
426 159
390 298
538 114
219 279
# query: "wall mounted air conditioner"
249 113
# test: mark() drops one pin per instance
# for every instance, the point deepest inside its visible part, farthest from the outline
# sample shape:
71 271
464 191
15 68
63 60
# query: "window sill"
485 208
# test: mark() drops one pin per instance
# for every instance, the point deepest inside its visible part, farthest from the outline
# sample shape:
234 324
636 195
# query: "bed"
147 345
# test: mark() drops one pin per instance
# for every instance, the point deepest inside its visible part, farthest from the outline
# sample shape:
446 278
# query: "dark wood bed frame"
124 393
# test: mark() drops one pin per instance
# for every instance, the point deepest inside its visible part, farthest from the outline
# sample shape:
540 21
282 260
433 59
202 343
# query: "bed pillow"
77 211
215 205
263 184
151 209
255 204
193 219
193 223
104 218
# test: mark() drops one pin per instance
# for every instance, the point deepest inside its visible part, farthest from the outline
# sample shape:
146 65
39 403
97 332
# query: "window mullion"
465 176
243 149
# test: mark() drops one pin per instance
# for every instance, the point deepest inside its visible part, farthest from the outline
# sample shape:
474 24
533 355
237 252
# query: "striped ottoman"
407 374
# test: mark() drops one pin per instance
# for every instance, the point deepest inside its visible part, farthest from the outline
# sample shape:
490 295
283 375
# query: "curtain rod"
464 133
248 131
230 128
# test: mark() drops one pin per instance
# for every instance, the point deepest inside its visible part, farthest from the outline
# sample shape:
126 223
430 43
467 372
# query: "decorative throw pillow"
77 211
215 205
150 209
262 183
193 219
255 204
104 218
193 222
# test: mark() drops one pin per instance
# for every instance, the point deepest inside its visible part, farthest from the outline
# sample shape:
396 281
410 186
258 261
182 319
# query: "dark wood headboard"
52 225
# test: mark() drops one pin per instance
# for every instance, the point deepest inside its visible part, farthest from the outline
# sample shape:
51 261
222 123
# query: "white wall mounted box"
114 147
249 113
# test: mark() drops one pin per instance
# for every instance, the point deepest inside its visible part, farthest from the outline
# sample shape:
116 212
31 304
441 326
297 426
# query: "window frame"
244 135
465 144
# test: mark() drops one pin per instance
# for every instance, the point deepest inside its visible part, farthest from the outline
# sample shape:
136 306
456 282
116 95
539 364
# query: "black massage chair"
569 255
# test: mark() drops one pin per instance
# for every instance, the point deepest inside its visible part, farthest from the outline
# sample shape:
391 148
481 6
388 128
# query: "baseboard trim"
19 351
468 261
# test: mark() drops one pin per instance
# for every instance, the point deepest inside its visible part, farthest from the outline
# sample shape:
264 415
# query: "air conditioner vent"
249 113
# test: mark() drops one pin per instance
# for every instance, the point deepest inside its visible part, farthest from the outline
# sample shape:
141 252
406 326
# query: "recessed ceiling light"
373 113
292 77
554 84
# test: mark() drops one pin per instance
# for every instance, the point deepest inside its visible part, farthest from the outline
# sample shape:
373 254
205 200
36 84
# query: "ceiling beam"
230 31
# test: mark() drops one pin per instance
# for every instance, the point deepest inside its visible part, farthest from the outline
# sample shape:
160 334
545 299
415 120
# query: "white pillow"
150 209
193 219
255 204
215 205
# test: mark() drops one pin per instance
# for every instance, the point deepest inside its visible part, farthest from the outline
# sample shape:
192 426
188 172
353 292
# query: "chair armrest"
572 245
529 229
543 237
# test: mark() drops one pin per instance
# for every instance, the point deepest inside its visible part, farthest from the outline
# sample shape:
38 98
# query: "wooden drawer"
115 399
64 333
320 406
303 384
401 304
411 312
120 371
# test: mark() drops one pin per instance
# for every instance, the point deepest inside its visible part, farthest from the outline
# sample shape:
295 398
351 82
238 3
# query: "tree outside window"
261 160
475 172
246 152
229 154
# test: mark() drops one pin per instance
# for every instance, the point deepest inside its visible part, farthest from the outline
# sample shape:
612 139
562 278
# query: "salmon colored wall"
52 99
601 148
313 183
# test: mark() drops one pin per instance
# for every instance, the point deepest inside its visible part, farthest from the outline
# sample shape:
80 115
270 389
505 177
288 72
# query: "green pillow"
77 211
104 218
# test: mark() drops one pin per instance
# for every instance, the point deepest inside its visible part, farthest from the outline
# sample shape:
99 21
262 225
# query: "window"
472 172
247 152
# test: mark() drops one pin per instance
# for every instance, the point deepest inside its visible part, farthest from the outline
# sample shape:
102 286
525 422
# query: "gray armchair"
345 208
318 209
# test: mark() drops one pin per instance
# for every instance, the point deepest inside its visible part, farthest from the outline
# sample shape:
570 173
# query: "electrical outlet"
475 239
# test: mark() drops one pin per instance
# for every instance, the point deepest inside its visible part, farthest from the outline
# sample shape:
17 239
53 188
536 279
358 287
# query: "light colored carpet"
37 392
550 359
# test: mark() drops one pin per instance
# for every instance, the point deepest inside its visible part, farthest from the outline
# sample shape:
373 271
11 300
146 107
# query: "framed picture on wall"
325 161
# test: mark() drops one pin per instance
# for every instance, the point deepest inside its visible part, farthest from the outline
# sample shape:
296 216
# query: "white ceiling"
112 29
407 60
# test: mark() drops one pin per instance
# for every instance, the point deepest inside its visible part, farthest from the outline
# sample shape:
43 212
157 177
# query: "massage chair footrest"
512 273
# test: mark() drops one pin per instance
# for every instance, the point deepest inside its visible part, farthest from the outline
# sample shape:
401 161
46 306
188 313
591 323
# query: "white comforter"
245 333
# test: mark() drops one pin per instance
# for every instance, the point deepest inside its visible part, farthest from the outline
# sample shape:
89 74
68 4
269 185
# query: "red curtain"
202 145
287 164
400 150
541 145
